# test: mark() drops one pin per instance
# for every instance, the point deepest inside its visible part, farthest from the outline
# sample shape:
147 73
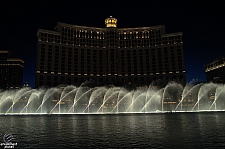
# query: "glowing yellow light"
111 22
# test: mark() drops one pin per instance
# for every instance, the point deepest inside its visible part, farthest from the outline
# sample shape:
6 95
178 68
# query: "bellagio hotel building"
75 54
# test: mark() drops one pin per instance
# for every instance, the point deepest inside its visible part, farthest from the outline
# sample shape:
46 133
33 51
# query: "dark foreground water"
171 130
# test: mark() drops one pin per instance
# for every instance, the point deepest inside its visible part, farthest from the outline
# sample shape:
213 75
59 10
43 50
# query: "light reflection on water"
171 130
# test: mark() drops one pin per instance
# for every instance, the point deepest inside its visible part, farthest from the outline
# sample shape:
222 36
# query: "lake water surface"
162 130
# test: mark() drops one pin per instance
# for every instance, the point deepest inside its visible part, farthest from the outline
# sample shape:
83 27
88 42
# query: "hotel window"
48 78
42 53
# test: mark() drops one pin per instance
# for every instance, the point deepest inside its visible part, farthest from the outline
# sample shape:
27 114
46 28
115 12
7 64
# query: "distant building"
215 71
11 70
74 54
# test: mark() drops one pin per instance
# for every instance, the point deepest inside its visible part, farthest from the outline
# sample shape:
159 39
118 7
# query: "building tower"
11 70
74 54
215 71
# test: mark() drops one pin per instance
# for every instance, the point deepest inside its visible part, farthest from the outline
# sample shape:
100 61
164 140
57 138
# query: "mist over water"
114 100
172 116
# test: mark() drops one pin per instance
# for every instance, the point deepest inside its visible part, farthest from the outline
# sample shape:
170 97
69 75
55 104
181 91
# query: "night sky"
201 22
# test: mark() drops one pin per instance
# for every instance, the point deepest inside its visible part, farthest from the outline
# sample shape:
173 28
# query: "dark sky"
202 23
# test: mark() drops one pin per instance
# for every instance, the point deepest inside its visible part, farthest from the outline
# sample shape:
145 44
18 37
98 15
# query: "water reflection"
173 130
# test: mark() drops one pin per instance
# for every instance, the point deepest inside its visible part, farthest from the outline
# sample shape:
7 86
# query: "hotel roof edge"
47 31
78 26
150 27
5 51
215 60
172 34
74 26
15 59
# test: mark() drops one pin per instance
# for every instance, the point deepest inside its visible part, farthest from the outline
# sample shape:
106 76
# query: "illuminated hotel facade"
11 70
73 54
215 71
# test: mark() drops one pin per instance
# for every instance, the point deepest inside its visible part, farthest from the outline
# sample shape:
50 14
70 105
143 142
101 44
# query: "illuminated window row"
69 32
11 65
214 67
59 73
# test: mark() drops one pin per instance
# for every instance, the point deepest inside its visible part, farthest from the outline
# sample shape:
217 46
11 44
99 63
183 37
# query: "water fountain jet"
104 100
